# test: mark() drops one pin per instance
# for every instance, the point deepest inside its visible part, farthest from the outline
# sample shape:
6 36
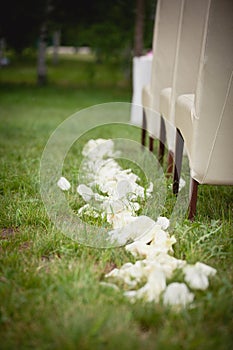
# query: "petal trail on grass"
114 193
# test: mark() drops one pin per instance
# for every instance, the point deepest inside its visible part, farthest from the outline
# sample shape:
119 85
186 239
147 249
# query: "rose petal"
63 183
163 222
197 275
86 192
177 294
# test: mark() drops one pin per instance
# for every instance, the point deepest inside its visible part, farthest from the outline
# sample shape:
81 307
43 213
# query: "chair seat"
147 96
209 165
185 116
165 103
165 100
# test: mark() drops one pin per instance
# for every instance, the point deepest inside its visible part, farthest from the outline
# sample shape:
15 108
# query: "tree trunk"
2 51
139 27
41 63
56 44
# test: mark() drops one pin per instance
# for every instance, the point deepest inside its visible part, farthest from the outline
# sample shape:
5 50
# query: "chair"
167 19
186 65
141 76
204 120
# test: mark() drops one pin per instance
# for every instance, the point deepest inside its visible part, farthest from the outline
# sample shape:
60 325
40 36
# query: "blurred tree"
42 44
2 50
114 29
56 44
20 22
41 56
139 28
105 25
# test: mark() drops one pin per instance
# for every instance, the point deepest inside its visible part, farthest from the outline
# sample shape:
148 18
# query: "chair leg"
143 136
193 199
162 140
170 163
151 143
178 161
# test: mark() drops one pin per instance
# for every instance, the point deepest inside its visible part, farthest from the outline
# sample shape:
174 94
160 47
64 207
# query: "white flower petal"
149 190
88 210
130 274
168 263
123 188
109 285
82 209
197 275
112 206
177 294
152 289
133 230
131 294
120 220
63 183
93 148
163 222
182 184
138 249
206 269
86 192
163 241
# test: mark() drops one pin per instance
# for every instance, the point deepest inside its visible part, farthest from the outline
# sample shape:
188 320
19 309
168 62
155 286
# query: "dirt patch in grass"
25 245
8 232
109 267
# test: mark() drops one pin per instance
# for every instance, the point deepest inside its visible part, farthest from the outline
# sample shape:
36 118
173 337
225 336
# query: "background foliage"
107 25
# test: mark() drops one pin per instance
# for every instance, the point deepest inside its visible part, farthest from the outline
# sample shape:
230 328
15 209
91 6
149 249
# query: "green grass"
72 70
50 296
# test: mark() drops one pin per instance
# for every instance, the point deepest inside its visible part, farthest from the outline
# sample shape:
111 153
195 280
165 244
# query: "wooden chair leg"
143 135
193 199
162 140
151 143
178 161
170 163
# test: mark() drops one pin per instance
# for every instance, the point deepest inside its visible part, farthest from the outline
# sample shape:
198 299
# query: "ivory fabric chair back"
211 156
186 65
166 26
141 76
205 119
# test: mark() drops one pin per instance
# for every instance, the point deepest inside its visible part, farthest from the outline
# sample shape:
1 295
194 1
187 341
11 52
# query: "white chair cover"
141 76
186 65
168 15
205 119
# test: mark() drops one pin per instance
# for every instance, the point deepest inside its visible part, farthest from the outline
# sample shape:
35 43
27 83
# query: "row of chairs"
191 88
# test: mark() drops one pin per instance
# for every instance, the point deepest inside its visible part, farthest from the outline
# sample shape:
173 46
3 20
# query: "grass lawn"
50 295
